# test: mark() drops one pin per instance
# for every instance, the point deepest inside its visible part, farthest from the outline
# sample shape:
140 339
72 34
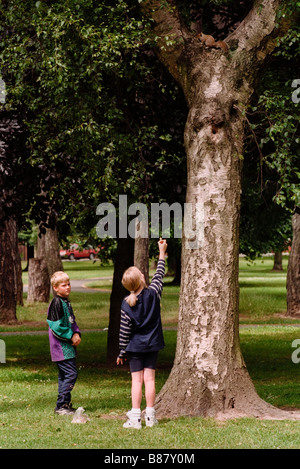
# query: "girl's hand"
119 361
162 246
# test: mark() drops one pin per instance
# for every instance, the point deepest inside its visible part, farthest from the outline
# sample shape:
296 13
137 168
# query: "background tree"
293 274
12 194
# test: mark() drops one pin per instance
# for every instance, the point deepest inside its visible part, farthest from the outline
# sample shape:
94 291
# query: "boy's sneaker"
71 408
66 409
133 421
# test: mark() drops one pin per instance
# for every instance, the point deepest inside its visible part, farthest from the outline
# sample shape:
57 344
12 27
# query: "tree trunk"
124 259
38 281
11 288
53 258
293 273
209 376
277 261
177 278
174 261
38 274
209 373
47 255
48 249
18 271
30 255
141 256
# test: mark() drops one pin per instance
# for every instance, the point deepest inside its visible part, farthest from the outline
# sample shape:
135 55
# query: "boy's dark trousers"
67 375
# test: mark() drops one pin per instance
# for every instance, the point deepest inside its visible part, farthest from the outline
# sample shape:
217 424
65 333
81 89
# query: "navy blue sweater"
140 326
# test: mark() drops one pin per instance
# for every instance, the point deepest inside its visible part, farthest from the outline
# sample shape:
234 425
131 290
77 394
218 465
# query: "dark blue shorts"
139 361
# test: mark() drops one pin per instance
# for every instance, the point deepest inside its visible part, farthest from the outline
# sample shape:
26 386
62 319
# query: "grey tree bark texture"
43 266
293 273
11 286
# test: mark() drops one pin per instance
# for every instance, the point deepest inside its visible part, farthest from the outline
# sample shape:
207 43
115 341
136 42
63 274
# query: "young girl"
141 337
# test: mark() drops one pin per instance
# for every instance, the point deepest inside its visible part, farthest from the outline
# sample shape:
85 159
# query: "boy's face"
63 289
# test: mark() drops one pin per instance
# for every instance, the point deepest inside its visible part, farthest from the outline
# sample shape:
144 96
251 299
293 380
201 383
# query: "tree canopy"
95 102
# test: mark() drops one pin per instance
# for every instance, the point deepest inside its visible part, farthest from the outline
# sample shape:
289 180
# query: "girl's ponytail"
131 299
131 280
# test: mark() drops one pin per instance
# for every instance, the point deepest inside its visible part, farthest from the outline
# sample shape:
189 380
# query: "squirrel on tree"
210 42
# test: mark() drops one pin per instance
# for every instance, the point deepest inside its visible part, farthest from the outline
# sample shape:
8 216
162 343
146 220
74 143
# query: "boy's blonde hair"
59 277
132 280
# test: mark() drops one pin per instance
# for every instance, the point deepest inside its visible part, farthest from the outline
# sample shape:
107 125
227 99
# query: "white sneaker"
133 421
150 420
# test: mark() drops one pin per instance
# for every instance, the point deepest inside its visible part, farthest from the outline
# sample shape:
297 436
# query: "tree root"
260 410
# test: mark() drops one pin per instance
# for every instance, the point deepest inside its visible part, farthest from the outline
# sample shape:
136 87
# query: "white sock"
150 411
135 413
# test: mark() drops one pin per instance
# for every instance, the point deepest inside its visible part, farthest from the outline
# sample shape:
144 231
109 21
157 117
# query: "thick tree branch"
169 33
250 44
256 37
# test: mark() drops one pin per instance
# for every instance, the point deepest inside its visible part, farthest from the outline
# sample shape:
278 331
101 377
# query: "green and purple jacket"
62 327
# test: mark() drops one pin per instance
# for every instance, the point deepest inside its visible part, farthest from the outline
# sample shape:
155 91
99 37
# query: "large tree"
15 192
209 376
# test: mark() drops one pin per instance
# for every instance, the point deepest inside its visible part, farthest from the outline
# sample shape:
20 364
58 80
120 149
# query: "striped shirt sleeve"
157 279
125 331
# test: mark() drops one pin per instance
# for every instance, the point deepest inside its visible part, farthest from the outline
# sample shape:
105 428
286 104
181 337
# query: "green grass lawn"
28 379
28 388
262 292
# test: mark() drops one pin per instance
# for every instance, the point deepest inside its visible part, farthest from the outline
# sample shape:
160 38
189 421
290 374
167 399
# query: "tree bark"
209 376
38 274
277 261
209 373
18 271
141 256
47 255
11 288
48 249
293 273
124 259
38 281
174 261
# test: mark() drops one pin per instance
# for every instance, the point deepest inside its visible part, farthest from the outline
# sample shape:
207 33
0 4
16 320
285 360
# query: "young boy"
64 336
141 337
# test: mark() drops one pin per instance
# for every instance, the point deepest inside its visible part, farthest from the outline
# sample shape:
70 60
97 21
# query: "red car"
76 253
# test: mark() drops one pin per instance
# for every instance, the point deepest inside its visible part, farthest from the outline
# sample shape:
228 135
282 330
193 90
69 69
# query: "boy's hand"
119 361
76 339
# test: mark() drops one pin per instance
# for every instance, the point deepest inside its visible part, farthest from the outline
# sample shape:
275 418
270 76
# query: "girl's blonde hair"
132 280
